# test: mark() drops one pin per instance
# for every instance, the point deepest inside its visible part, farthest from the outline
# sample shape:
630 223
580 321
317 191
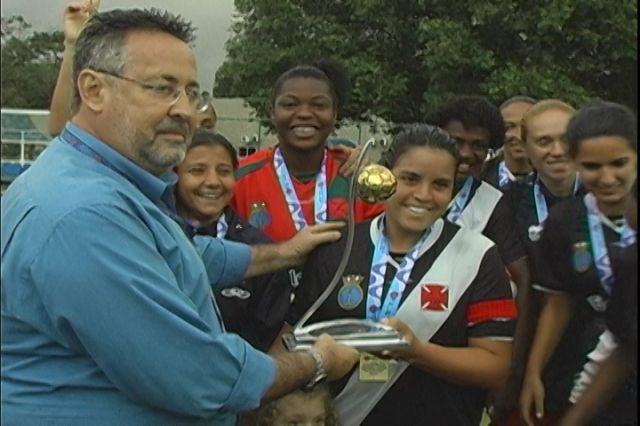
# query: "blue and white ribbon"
504 175
222 227
376 310
599 244
460 202
295 207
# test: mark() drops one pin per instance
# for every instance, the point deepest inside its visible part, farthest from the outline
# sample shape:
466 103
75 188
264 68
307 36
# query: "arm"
273 257
609 378
176 357
484 363
295 369
75 17
556 312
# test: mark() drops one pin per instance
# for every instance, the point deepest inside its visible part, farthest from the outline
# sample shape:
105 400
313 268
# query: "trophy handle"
349 243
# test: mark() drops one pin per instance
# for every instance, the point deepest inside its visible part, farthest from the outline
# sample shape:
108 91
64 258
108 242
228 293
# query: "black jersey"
416 397
564 263
255 307
494 221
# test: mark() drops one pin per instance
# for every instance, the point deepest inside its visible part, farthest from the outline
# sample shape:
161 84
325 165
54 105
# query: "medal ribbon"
376 310
460 202
504 175
602 261
221 227
542 210
295 208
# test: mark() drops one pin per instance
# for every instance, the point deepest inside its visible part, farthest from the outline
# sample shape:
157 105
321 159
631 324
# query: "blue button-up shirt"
107 310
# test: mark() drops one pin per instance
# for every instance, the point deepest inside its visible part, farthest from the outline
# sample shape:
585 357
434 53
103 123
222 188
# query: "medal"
259 217
351 294
374 369
581 257
535 232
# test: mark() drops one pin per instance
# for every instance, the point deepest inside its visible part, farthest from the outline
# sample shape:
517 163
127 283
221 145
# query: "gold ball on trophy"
376 183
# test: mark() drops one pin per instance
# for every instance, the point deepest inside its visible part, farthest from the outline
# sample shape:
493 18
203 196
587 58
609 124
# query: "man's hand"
532 397
267 258
339 359
75 18
309 238
349 166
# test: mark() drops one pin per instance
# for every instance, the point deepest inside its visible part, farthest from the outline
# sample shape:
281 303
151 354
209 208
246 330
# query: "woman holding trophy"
443 288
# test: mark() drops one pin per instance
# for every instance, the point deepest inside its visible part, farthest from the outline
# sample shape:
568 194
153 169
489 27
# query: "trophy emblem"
375 183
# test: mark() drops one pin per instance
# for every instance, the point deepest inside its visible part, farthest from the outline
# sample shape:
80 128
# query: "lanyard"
221 227
460 202
376 310
295 207
602 261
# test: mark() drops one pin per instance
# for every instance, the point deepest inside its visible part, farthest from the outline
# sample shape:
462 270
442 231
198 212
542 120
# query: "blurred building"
25 134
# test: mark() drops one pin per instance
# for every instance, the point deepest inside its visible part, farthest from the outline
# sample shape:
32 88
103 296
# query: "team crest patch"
434 297
351 294
259 216
581 257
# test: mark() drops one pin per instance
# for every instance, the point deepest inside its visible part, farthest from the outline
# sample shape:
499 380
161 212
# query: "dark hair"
473 111
601 119
101 43
206 137
512 100
326 70
409 136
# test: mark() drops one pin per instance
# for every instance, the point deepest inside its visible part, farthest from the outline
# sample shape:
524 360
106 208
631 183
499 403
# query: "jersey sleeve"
491 311
502 231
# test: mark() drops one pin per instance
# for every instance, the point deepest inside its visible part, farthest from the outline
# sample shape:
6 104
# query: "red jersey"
258 196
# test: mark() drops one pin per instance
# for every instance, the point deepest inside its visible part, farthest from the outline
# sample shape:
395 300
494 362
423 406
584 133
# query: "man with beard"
107 309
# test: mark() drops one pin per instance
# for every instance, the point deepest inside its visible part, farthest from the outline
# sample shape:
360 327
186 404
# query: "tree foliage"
405 56
30 62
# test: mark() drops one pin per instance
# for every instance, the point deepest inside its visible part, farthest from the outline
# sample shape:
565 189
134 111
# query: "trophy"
374 183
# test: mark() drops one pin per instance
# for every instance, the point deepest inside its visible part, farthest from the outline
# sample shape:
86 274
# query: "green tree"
405 56
30 62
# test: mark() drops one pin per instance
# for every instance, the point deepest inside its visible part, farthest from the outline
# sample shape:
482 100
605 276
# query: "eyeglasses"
166 92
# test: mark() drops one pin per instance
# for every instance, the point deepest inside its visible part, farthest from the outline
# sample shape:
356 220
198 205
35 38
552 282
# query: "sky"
212 18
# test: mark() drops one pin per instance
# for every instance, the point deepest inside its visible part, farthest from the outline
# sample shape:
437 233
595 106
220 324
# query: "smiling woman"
253 308
297 183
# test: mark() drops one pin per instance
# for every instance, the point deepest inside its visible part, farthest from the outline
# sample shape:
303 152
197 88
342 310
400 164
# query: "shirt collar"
157 189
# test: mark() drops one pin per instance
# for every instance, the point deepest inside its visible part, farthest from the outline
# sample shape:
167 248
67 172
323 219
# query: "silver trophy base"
361 334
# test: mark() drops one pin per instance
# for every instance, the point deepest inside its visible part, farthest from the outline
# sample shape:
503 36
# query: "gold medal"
374 369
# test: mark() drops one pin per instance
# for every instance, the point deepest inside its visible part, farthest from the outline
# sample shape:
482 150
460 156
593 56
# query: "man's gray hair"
101 44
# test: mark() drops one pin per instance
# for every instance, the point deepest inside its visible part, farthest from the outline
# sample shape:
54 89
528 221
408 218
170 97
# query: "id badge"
374 369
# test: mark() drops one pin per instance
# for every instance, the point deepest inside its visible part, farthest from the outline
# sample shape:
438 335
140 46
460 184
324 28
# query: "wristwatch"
320 373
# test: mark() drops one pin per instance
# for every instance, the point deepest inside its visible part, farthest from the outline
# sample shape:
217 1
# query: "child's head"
302 407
